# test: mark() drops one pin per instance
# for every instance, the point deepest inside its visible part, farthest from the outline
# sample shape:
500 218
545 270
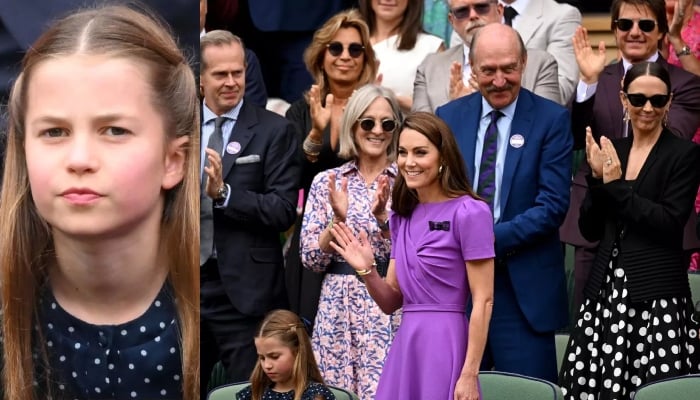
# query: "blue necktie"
487 168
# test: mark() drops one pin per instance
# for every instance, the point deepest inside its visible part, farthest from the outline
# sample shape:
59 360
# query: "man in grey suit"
550 26
446 76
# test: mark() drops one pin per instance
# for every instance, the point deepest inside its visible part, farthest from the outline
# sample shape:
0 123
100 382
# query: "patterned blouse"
314 391
319 213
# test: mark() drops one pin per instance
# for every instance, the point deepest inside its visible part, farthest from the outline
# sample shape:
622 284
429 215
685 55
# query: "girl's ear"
175 162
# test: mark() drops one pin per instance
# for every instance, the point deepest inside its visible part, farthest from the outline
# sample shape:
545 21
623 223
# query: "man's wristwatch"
684 51
221 195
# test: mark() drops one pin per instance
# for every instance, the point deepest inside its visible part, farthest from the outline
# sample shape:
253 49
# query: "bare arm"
480 273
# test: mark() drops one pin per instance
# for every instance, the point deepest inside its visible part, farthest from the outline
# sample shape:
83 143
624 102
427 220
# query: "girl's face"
97 155
374 143
419 161
277 361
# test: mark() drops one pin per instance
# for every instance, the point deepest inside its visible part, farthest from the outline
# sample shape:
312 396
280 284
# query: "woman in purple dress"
438 226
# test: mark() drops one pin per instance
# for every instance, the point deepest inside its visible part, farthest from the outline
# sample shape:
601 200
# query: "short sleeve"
474 223
395 222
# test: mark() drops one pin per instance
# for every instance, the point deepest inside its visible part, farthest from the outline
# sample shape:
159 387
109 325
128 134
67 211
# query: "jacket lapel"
609 86
241 134
521 125
466 136
531 20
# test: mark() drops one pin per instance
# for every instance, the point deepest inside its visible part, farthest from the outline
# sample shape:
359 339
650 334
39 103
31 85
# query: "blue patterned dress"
352 335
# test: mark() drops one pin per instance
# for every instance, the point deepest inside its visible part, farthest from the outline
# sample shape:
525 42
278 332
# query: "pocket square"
439 225
253 158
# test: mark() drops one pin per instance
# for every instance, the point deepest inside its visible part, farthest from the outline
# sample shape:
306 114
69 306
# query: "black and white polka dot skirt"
618 345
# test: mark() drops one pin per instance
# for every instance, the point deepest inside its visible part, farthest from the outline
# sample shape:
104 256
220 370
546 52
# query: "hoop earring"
626 115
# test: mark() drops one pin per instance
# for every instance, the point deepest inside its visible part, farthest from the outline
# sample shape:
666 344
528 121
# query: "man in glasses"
517 150
445 76
639 27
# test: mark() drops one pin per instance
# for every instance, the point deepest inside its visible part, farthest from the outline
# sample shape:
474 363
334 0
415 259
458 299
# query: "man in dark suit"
530 176
251 169
597 104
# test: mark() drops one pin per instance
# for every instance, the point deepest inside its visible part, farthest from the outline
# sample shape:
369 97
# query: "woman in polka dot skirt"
98 256
286 369
636 324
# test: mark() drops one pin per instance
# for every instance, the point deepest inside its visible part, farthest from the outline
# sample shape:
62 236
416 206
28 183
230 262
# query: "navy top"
314 389
139 359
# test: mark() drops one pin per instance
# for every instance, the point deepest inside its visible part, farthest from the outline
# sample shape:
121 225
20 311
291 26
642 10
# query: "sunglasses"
354 49
645 25
367 124
639 100
464 11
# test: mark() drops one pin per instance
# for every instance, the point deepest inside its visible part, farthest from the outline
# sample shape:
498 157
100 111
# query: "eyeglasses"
367 124
354 49
645 25
464 11
639 100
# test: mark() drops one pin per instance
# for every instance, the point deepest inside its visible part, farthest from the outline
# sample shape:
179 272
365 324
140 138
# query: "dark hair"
647 68
410 26
657 7
453 179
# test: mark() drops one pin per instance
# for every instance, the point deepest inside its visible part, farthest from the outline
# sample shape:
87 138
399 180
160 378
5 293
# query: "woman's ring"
609 161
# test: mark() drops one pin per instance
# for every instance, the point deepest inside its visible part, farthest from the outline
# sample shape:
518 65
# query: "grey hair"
357 105
218 38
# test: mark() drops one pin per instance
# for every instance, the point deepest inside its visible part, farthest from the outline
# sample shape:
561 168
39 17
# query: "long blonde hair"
286 327
26 248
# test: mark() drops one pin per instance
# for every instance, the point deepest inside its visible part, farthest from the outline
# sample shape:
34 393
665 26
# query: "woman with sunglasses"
340 59
399 43
351 335
639 27
635 324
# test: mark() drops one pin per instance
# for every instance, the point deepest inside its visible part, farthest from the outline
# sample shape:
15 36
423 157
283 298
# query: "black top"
314 391
139 359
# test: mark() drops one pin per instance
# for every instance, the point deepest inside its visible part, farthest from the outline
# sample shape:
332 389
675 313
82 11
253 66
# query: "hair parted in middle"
315 53
358 103
288 328
454 181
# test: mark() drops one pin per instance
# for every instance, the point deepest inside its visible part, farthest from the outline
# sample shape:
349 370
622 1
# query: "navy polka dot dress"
315 391
139 359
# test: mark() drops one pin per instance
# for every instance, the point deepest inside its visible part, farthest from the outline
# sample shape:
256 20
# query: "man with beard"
447 75
517 150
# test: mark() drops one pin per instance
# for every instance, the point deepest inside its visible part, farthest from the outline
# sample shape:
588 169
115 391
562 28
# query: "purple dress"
428 352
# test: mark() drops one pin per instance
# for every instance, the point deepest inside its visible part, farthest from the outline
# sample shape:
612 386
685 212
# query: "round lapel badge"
517 141
233 148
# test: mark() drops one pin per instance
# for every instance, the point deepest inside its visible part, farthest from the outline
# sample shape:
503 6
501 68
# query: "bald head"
497 34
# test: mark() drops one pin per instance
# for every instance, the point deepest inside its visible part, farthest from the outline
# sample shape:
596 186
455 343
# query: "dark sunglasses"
354 49
645 25
464 11
367 124
639 100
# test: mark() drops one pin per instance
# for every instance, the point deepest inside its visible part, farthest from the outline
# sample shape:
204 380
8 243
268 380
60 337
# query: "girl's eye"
116 131
54 132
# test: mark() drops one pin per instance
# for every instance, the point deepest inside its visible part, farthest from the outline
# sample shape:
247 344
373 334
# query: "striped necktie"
487 168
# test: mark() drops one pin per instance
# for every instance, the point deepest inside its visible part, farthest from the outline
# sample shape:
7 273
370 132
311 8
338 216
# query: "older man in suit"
527 185
639 27
251 168
445 76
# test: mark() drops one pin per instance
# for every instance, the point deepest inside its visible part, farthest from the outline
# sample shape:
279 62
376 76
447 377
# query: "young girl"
287 368
98 257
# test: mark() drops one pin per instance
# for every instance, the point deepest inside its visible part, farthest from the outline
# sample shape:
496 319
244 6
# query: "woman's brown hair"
286 327
26 249
453 178
316 52
408 29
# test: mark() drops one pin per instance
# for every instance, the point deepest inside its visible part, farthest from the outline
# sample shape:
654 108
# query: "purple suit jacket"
603 113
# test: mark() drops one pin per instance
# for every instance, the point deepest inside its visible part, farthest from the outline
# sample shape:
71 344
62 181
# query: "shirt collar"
508 111
351 166
627 65
519 5
208 115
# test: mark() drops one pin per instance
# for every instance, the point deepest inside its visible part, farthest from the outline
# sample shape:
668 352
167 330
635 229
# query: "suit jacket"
296 16
646 217
534 199
548 25
263 176
603 113
431 88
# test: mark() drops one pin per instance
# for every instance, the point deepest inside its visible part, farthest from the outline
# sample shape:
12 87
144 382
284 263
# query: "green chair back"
228 392
694 280
561 340
686 387
506 386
